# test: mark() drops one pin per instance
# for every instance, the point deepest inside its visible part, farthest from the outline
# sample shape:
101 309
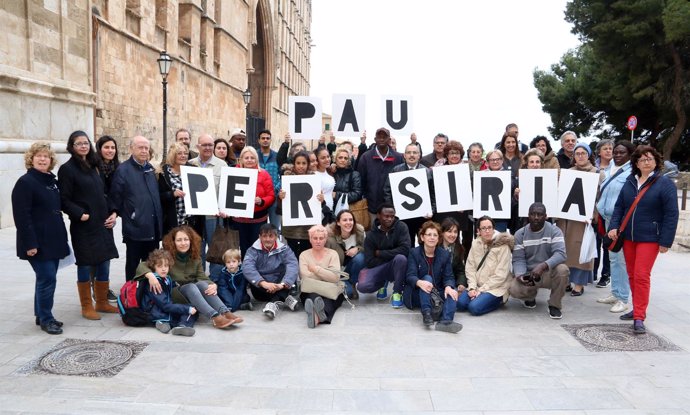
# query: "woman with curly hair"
195 288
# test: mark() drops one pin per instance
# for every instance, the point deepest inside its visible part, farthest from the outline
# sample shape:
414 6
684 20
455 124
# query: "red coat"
264 190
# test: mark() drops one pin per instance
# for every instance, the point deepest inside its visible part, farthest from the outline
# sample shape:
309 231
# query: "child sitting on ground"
232 287
163 311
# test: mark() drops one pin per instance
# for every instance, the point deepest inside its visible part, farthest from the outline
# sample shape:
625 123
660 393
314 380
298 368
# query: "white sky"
467 64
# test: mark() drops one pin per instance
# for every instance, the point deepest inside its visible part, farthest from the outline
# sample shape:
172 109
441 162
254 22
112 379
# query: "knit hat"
585 146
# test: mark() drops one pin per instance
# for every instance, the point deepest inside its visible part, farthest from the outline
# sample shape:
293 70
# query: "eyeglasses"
581 155
486 228
431 235
206 145
645 160
82 144
454 153
495 160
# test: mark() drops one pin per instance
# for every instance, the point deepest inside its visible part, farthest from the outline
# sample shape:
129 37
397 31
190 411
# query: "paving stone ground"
372 359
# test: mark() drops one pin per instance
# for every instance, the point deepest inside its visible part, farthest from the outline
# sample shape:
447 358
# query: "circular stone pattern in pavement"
86 358
617 338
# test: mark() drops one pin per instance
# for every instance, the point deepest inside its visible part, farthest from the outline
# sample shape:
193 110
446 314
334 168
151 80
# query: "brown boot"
102 304
233 317
87 310
220 322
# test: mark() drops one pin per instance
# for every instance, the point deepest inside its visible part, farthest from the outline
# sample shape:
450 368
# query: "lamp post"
247 96
164 63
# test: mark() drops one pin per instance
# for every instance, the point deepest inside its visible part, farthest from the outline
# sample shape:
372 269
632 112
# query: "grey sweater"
533 248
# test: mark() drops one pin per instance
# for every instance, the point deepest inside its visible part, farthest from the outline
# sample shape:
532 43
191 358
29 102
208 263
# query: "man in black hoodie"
386 247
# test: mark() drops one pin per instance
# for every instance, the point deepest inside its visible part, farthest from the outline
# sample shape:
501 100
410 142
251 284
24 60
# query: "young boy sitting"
163 311
232 287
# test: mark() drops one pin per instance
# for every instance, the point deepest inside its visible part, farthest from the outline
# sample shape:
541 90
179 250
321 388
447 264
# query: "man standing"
374 166
182 136
512 130
268 160
207 160
271 269
411 157
565 154
538 261
134 196
238 139
440 142
331 145
413 140
386 247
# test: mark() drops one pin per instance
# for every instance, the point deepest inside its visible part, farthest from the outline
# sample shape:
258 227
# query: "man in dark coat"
135 198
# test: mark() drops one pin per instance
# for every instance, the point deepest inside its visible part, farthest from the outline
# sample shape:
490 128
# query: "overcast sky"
467 64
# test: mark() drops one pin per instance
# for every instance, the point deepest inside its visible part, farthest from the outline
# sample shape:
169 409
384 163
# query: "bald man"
134 197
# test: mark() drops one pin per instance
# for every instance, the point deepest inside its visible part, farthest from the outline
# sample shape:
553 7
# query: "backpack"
129 304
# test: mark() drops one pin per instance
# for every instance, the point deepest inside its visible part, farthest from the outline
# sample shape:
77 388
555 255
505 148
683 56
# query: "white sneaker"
270 310
290 302
611 299
618 307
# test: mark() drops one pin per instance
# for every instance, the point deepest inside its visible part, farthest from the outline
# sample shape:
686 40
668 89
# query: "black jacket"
135 197
82 192
389 244
37 216
348 181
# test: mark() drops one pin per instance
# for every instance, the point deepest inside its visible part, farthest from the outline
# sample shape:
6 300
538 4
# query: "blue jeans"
620 284
46 272
414 297
354 267
209 228
482 304
233 293
273 215
102 272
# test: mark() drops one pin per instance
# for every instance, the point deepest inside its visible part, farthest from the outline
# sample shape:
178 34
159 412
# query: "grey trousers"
555 280
208 305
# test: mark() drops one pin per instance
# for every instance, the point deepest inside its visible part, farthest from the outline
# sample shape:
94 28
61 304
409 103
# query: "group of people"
442 263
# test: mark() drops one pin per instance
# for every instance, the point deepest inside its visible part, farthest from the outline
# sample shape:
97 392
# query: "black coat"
37 216
168 205
350 182
82 192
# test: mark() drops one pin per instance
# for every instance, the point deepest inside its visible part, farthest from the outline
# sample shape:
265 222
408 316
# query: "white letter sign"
452 188
200 191
538 185
577 191
348 115
300 206
237 191
304 117
492 194
410 191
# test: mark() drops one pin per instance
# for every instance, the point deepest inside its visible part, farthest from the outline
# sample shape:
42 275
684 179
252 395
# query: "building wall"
91 65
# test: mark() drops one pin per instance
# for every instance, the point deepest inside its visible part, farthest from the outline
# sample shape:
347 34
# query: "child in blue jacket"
232 286
163 311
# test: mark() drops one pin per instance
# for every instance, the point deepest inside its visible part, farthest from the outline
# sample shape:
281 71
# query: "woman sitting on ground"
346 237
322 264
194 286
451 243
429 267
488 270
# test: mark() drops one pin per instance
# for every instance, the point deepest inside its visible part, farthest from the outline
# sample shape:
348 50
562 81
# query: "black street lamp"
164 64
247 96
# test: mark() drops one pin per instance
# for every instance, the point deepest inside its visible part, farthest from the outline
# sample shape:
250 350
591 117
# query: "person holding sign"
488 270
651 228
538 261
323 158
452 155
265 196
374 166
495 160
348 182
386 248
580 274
170 189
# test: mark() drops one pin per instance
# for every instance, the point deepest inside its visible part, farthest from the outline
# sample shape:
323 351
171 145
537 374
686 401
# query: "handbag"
588 248
360 210
341 204
436 304
615 246
222 240
325 288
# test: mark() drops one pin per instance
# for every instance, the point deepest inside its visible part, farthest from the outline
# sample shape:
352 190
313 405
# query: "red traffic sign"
632 123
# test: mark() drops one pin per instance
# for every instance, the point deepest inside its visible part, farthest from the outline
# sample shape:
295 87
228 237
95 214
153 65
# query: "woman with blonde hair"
171 193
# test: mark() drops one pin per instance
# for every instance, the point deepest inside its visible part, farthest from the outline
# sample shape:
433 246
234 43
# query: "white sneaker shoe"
611 299
618 307
270 310
291 303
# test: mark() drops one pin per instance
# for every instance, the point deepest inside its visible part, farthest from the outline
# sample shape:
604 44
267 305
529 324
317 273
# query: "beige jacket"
495 274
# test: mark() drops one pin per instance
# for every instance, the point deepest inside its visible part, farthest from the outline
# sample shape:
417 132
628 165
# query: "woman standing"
604 152
297 237
346 237
488 270
347 181
83 199
429 267
327 181
495 160
511 155
573 231
41 234
651 228
106 147
194 286
221 149
171 193
322 264
265 196
542 143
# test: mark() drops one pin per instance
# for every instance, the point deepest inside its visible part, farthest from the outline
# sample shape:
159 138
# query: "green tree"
634 59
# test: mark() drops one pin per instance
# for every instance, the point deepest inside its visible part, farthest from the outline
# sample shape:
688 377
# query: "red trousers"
639 260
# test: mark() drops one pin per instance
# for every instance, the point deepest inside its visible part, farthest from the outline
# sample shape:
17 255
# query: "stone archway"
262 75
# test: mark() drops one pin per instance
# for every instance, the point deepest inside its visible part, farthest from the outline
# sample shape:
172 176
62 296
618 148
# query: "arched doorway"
262 78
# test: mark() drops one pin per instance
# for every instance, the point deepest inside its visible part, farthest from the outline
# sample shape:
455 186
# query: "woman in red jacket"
249 227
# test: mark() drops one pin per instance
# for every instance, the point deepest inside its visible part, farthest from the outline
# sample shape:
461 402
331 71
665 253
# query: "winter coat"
494 277
551 161
161 306
348 181
656 216
563 160
396 241
609 196
134 196
82 192
374 171
264 190
277 265
442 268
270 164
335 242
37 216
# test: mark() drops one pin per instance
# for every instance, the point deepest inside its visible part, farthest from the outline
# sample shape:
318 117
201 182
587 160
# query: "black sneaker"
604 281
427 319
638 327
555 313
112 297
627 316
530 303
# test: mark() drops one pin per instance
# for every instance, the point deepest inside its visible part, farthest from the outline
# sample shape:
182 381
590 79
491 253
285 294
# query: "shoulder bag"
617 244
